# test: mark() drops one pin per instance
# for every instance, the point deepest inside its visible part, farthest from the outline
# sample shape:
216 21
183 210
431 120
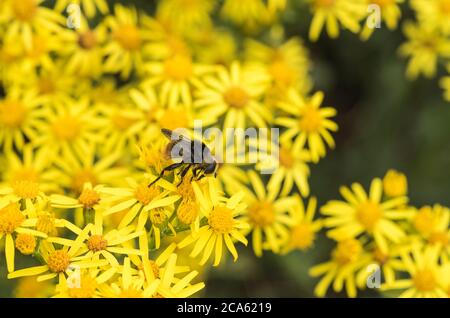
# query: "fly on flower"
194 155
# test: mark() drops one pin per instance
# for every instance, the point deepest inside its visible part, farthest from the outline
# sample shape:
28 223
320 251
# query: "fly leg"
183 173
168 168
195 172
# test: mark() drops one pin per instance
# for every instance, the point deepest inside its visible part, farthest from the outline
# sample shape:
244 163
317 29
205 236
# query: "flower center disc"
221 220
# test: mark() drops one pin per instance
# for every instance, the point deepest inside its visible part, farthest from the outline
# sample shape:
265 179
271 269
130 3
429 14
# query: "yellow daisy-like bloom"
174 77
395 184
303 233
433 12
13 220
308 123
128 285
154 116
366 213
20 117
90 198
85 49
215 46
27 17
58 262
288 167
426 276
249 14
390 13
164 268
233 94
388 262
432 223
346 259
28 287
121 132
185 15
332 12
74 170
149 268
222 225
171 287
268 216
287 63
90 7
54 85
73 126
83 283
424 47
92 243
125 51
32 166
141 200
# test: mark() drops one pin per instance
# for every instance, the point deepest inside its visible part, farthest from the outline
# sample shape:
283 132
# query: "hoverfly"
194 155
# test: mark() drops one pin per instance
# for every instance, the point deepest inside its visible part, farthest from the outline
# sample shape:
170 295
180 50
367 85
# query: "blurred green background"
385 121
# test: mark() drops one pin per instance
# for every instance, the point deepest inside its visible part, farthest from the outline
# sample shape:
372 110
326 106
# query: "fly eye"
210 168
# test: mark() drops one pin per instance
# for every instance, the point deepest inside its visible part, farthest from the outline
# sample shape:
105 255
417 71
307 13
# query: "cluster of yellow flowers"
85 98
384 243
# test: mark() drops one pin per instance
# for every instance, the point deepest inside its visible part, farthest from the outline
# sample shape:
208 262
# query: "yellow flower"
287 64
153 115
73 126
85 48
31 166
83 283
288 167
92 244
346 259
142 201
73 170
164 268
174 77
268 216
20 118
390 13
395 184
89 198
303 232
332 12
171 287
249 14
185 15
90 7
308 123
388 262
432 223
215 46
234 95
424 47
366 213
434 13
58 262
222 225
425 274
125 52
27 17
13 220
129 285
28 287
